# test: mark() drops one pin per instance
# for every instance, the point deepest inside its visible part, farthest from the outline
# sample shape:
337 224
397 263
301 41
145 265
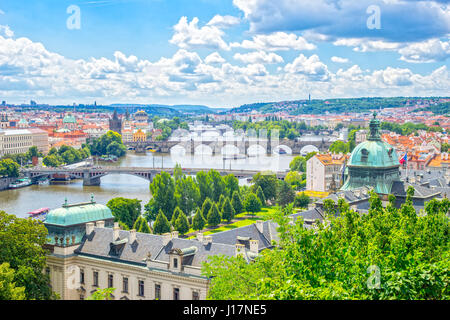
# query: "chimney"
254 245
200 236
100 224
166 238
116 230
174 234
89 228
259 225
240 248
132 236
311 206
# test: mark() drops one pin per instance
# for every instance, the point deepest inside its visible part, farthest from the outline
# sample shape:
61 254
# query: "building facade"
324 172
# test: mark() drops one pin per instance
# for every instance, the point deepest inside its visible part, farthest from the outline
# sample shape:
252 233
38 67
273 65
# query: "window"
125 285
141 288
81 276
110 281
95 279
176 293
157 292
195 295
175 263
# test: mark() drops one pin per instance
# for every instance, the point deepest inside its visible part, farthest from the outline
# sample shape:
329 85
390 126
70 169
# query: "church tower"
115 124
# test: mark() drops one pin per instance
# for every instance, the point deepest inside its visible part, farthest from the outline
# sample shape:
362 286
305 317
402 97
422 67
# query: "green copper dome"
69 119
373 163
374 152
78 213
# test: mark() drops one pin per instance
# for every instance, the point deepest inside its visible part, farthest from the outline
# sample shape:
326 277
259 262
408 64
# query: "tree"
116 149
187 194
213 216
175 215
285 194
221 200
302 200
144 227
125 210
9 168
52 161
227 210
268 183
231 184
181 223
252 203
163 192
295 179
383 255
177 173
339 147
102 294
236 202
161 224
206 207
204 184
298 164
217 183
260 195
8 289
22 246
137 224
198 222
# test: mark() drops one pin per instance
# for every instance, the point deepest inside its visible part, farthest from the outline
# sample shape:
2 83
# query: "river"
21 201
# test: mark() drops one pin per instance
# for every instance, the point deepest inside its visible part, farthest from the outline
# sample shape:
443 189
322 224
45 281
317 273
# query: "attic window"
364 155
390 152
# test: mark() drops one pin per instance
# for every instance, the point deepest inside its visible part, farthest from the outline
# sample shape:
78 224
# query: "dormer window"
175 263
364 155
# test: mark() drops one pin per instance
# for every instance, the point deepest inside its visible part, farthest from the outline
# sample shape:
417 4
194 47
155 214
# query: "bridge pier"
89 181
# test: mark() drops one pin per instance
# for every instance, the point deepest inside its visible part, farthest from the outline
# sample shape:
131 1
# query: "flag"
404 158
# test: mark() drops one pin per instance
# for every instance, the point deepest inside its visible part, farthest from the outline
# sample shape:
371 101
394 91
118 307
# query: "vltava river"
21 201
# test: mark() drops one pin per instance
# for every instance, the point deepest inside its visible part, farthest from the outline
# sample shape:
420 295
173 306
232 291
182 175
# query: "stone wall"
4 182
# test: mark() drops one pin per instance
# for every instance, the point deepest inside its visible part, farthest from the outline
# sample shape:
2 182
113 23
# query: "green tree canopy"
227 210
198 222
8 288
268 183
213 216
22 242
302 200
286 194
252 203
260 195
383 255
161 224
125 210
182 223
236 202
163 192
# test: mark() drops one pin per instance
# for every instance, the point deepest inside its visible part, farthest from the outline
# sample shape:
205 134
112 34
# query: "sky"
221 53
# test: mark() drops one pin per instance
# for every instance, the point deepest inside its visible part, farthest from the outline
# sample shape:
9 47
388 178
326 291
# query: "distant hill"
171 110
346 105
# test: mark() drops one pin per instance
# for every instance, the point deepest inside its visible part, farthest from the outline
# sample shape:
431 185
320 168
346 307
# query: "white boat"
19 183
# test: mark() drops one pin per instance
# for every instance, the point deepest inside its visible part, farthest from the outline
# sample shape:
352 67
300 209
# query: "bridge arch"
230 150
178 149
255 150
203 149
282 149
308 149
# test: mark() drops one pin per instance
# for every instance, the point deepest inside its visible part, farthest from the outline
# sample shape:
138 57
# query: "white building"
322 170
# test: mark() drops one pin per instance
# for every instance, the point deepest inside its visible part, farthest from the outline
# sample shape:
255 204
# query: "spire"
374 126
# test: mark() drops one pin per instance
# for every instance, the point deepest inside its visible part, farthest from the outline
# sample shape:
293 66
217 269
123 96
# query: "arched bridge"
91 175
217 147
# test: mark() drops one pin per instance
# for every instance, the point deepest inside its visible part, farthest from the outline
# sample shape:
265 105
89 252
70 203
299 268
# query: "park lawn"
264 214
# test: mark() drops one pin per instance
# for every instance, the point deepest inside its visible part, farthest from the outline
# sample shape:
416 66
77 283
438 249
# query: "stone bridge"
218 147
91 175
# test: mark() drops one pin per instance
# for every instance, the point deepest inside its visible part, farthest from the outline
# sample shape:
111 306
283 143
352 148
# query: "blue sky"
222 53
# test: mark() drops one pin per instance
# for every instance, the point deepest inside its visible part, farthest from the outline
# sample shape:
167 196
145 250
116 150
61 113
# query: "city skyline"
221 53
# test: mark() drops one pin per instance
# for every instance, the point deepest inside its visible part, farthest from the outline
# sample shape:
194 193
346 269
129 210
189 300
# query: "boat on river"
20 183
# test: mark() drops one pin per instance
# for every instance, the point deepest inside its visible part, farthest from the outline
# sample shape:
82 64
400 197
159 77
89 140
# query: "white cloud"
278 41
423 52
223 21
214 58
401 21
366 45
189 35
6 31
311 67
339 59
258 57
